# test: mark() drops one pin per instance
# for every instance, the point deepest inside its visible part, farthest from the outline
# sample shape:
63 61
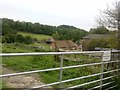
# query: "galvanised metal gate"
106 59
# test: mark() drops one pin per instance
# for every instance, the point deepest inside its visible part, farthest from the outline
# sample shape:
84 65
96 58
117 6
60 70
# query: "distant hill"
63 31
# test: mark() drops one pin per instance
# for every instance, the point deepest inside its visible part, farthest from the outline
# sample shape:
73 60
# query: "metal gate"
107 59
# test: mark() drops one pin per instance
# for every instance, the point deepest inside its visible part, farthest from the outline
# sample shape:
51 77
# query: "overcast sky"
79 13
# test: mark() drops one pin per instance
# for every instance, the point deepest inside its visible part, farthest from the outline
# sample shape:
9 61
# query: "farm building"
90 37
63 45
50 40
96 36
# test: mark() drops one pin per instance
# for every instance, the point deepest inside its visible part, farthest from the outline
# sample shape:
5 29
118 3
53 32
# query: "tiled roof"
64 44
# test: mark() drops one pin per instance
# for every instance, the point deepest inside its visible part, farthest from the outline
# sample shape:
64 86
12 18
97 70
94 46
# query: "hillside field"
38 36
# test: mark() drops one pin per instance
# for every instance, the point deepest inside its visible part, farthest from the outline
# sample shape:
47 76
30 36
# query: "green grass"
29 63
38 36
19 47
3 86
14 48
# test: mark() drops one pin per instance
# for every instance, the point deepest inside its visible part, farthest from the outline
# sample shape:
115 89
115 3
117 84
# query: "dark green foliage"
3 40
34 39
63 31
6 30
10 38
69 33
118 81
99 30
9 32
28 39
102 42
67 27
19 38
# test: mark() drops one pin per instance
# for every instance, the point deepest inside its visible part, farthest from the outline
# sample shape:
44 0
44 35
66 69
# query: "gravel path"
21 81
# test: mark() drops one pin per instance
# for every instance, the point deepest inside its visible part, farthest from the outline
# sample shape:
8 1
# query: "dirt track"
21 81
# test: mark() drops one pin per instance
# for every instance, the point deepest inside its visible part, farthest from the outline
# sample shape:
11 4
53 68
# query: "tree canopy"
63 31
110 17
99 30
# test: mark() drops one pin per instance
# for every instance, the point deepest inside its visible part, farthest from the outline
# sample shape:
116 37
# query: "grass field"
14 48
28 63
38 36
20 47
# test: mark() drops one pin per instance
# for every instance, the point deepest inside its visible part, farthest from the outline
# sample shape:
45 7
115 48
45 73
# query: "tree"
112 42
61 32
6 30
10 38
56 35
27 40
20 38
111 16
99 30
111 19
101 43
3 39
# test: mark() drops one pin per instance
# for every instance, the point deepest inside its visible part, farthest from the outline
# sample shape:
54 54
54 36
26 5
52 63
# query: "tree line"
62 32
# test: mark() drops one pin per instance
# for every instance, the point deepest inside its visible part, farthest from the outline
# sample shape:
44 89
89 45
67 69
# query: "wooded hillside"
58 32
